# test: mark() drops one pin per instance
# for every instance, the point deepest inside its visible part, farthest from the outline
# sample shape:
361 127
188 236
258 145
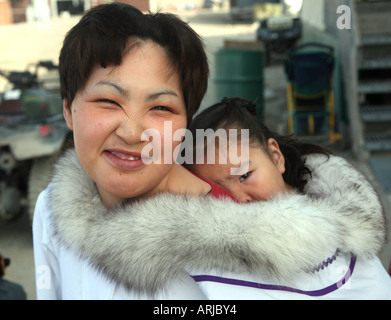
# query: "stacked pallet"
373 64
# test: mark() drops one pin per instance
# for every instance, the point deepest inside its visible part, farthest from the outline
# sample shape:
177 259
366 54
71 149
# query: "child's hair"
101 38
238 113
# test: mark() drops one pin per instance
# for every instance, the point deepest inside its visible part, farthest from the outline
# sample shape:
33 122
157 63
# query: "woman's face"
109 115
262 181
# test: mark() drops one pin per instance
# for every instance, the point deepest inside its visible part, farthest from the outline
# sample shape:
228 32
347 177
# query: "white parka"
320 245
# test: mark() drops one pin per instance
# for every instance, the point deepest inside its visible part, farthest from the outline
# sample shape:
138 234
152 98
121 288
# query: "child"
277 163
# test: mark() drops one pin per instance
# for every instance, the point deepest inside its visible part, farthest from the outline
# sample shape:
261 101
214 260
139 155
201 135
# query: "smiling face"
110 113
262 181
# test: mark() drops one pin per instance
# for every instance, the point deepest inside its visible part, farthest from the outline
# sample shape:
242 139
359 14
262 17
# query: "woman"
121 72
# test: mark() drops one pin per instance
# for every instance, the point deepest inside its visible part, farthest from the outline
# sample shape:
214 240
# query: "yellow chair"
309 91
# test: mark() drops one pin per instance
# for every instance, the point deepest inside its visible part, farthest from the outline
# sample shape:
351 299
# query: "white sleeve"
47 271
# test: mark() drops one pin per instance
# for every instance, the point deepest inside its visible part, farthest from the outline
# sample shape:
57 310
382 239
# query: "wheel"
40 175
10 199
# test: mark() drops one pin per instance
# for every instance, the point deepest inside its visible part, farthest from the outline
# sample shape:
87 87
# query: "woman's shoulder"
218 192
41 210
43 229
184 181
212 189
325 160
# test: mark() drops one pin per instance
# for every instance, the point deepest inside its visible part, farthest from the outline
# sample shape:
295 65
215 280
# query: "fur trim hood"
145 244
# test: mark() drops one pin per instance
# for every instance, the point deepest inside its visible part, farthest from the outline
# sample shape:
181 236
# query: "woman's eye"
244 177
108 101
161 108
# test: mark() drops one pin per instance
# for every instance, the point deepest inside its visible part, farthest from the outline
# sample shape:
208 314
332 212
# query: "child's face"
262 181
110 113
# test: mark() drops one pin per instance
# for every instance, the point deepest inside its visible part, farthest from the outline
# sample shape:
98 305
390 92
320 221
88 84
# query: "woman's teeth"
124 156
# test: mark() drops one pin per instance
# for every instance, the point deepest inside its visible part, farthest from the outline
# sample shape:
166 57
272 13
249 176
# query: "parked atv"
279 34
32 132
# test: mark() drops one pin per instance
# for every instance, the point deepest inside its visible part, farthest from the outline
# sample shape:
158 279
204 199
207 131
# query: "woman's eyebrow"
123 92
155 95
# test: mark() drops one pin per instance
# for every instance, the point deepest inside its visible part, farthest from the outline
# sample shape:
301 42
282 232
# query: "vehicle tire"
10 207
40 175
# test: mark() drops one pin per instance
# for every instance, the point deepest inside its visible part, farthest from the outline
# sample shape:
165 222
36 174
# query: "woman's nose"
129 129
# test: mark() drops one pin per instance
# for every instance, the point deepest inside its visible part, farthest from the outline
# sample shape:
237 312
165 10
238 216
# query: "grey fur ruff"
145 244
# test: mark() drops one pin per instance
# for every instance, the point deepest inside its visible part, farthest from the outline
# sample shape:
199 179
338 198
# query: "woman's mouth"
124 160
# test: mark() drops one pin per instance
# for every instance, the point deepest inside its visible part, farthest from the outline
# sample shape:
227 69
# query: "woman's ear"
276 154
66 108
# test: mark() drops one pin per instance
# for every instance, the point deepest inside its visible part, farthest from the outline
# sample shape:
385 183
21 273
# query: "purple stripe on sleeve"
314 293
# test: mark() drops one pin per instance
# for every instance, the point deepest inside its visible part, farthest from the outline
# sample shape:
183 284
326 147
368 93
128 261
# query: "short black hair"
102 36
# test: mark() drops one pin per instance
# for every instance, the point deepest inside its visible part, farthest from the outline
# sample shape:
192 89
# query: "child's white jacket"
321 245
